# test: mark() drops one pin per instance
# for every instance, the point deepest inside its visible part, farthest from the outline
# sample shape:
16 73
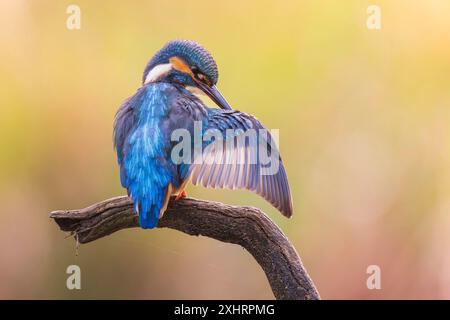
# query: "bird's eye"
200 76
203 78
194 70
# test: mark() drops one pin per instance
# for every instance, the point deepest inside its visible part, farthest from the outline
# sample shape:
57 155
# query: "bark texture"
245 226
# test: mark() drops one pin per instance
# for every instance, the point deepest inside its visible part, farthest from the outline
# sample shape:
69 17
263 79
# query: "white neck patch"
157 72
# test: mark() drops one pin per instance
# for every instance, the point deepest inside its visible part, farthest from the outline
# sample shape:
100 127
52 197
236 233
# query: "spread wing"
239 153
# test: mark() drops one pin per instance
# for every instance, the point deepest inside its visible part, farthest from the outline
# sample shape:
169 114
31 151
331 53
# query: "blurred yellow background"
364 132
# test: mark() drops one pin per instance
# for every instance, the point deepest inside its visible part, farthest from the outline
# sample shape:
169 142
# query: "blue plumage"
144 124
191 52
138 142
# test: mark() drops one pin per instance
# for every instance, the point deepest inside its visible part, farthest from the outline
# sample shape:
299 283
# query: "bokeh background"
364 127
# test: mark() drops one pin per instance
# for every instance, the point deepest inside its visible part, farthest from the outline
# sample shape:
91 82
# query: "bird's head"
188 64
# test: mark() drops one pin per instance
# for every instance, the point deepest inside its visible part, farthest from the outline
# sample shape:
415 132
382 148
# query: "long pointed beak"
214 94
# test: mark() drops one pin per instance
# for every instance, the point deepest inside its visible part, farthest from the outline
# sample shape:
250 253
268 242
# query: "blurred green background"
364 132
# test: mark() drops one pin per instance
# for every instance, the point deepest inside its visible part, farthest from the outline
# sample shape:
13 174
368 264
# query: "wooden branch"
245 226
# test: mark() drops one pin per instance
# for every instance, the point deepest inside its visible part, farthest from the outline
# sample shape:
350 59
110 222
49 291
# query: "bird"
170 99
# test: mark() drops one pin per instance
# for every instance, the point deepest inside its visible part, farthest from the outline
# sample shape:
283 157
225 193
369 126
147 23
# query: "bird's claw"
181 195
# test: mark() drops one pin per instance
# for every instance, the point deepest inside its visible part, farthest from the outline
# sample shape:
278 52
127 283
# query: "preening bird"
168 101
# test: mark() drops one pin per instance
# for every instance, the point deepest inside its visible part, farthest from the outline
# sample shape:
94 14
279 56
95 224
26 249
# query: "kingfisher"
169 100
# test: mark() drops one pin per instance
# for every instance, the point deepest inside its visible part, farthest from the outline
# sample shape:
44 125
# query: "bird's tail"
151 207
148 216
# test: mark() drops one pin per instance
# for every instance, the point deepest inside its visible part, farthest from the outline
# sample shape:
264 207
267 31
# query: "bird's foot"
181 195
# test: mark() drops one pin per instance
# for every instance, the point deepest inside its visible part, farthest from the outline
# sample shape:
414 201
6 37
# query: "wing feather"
234 165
